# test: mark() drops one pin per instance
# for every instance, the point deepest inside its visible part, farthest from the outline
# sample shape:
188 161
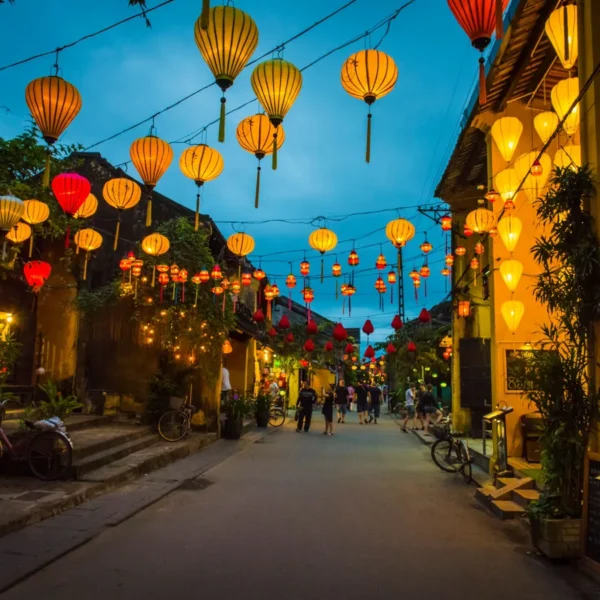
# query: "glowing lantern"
493 232
216 274
509 229
275 290
474 265
70 190
426 247
36 273
255 134
353 259
35 212
479 248
381 263
155 245
284 322
336 269
87 240
259 274
563 94
328 347
339 333
399 232
204 275
151 157
525 166
449 260
20 233
417 285
163 279
246 279
479 18
308 295
561 29
507 182
290 281
88 208
122 194
414 274
424 316
348 290
445 272
511 271
460 251
447 354
446 223
369 75
506 132
304 268
512 311
492 195
425 272
11 210
464 308
240 244
392 277
411 347
380 285
568 156
236 287
323 240
227 348
545 124
226 39
276 83
217 290
467 231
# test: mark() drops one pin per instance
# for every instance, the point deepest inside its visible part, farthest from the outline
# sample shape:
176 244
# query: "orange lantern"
246 279
460 251
353 259
392 277
449 260
204 275
290 281
426 247
259 274
464 308
304 268
381 262
445 272
446 223
236 287
474 264
216 273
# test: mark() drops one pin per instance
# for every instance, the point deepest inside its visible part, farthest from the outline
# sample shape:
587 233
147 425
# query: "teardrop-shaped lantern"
507 182
511 271
226 46
35 213
88 208
481 220
506 132
561 29
369 75
121 193
563 94
545 124
400 231
276 83
151 157
200 163
87 240
533 185
255 134
568 156
512 311
509 229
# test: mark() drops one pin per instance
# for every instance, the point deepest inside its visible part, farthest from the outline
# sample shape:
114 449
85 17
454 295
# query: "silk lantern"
411 347
155 245
88 240
339 333
71 191
36 273
446 223
545 124
312 328
20 233
276 83
481 220
424 316
563 94
506 132
304 268
226 46
328 347
369 75
284 322
562 31
399 232
397 323
509 229
568 156
512 312
369 352
88 208
35 213
240 244
200 163
507 182
122 194
11 210
511 271
525 166
323 240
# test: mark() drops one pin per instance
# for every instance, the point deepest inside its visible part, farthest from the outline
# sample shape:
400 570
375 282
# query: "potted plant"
236 409
559 373
263 403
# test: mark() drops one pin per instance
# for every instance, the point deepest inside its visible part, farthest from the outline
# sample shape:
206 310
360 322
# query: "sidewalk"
28 550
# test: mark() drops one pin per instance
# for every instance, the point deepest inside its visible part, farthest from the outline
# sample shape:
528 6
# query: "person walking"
341 401
362 402
385 392
328 410
429 407
375 395
351 398
306 398
410 406
418 406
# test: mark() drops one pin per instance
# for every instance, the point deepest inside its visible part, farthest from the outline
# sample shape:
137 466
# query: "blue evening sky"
131 72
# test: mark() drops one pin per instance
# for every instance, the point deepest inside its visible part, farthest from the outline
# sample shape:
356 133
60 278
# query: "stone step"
483 494
524 483
525 497
97 439
506 509
73 423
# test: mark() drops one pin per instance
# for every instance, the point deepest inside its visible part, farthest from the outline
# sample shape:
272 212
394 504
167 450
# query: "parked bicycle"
48 453
174 425
451 454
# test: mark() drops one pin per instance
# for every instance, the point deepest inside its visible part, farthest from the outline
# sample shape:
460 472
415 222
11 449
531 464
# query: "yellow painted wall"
321 380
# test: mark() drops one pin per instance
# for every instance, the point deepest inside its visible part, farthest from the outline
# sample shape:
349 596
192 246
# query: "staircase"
510 497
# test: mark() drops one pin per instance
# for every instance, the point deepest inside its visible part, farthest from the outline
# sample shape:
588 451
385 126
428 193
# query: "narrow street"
364 514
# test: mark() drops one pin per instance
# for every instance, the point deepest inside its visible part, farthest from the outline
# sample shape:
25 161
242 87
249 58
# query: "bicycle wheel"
276 417
465 467
173 425
49 455
442 455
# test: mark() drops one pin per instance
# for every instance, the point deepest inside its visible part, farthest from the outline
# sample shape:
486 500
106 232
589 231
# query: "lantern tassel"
4 249
149 212
183 292
499 20
275 151
31 246
196 299
322 270
223 302
269 310
290 301
368 155
118 230
566 30
257 194
67 235
337 295
425 287
349 306
204 15
46 177
197 216
85 263
153 276
482 84
162 287
343 305
222 120
416 295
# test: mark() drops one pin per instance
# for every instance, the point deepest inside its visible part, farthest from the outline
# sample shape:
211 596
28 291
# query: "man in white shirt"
225 383
410 406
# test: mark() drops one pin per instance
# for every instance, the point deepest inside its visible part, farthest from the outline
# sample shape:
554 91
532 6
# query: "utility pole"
400 286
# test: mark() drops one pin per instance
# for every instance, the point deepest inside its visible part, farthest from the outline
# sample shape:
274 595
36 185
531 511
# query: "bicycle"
49 454
174 425
276 416
451 454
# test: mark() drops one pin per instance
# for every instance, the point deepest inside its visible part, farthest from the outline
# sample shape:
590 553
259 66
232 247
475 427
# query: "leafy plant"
57 405
263 402
238 408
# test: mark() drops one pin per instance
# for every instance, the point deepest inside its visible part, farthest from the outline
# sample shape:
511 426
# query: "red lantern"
290 281
311 328
390 348
304 268
414 274
349 349
259 274
328 347
446 222
493 232
308 294
426 247
411 347
492 195
289 338
508 205
236 287
392 277
259 316
246 279
479 248
36 273
272 332
353 259
467 231
275 290
381 263
284 322
425 271
424 316
304 364
124 265
309 345
368 328
216 273
336 269
446 272
339 333
380 285
204 275
71 191
460 251
369 352
397 323
449 260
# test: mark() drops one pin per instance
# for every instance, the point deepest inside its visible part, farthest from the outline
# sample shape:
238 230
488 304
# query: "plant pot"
232 429
556 538
262 418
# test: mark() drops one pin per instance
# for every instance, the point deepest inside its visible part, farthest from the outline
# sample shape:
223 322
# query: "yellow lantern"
255 134
561 29
155 245
200 163
122 194
323 240
507 182
240 244
226 46
563 94
369 75
481 220
53 103
151 157
35 212
568 156
227 348
276 83
506 132
88 208
19 233
11 210
533 184
88 240
400 231
509 229
545 124
512 311
511 271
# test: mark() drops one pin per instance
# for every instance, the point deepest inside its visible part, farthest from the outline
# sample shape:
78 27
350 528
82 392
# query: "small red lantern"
426 247
446 222
236 287
284 322
36 273
336 269
304 363
308 294
536 168
272 332
353 259
258 316
446 272
246 279
424 271
163 279
492 195
328 347
460 251
225 283
414 274
417 284
290 281
216 273
467 231
349 349
380 285
259 274
309 345
424 316
411 347
397 323
390 348
289 338
479 248
304 268
368 328
449 260
204 275
217 290
174 271
474 264
381 263
311 328
124 264
339 333
392 277
369 352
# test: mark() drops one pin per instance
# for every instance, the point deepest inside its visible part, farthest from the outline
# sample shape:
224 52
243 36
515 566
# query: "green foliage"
56 405
238 408
9 354
262 402
89 302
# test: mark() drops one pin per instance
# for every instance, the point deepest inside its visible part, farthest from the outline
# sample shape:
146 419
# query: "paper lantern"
70 190
467 231
399 232
479 248
353 259
20 233
256 134
446 223
227 348
509 229
449 260
155 245
275 290
11 210
563 94
411 347
200 163
88 240
312 328
493 232
568 156
492 195
304 268
246 279
328 347
481 220
369 75
460 251
276 83
216 273
258 316
368 328
240 244
424 316
339 333
545 124
308 295
507 182
512 311
36 273
426 247
369 352
284 322
34 212
122 194
390 349
511 271
272 332
506 132
289 338
397 323
323 240
464 308
204 275
533 184
561 29
446 272
259 274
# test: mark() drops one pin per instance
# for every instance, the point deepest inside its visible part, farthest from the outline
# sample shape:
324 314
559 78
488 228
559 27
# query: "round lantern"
411 347
446 223
545 124
312 328
240 244
35 212
328 347
87 240
481 220
467 231
20 233
426 247
201 164
226 39
36 273
151 157
390 349
304 268
88 208
216 274
492 195
460 251
399 232
449 260
155 245
568 156
11 210
563 94
509 229
511 271
204 276
246 279
525 166
256 134
512 311
561 29
276 83
353 259
70 190
506 132
122 194
259 274
369 75
507 182
323 240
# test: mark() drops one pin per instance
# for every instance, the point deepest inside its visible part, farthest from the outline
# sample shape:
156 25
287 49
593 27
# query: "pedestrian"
341 401
429 407
386 396
225 383
410 406
418 407
328 410
351 400
274 391
375 396
306 398
362 402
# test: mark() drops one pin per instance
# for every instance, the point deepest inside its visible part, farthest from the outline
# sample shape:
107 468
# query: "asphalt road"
363 514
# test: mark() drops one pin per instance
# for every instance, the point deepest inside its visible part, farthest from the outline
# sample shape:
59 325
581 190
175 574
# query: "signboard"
591 508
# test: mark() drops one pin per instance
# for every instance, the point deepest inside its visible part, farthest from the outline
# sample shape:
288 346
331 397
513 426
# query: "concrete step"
506 509
97 439
483 494
73 423
524 483
525 497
